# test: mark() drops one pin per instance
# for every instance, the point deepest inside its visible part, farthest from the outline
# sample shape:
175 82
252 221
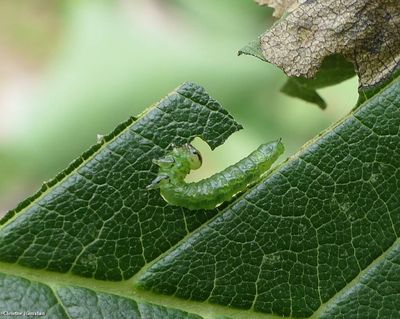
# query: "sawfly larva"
212 191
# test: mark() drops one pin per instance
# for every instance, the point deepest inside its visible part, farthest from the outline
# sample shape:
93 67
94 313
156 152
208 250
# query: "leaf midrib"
128 290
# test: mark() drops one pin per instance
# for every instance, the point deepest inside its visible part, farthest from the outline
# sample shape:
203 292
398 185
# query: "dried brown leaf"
366 32
280 6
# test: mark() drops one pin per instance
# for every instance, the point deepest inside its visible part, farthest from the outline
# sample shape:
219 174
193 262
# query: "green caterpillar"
213 191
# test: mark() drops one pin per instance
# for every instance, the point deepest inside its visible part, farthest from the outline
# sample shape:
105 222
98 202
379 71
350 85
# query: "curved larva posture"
210 192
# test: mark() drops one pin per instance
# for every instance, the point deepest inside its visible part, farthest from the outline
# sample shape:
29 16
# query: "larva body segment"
212 191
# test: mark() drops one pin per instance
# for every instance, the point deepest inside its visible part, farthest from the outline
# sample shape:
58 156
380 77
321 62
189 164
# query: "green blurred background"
70 70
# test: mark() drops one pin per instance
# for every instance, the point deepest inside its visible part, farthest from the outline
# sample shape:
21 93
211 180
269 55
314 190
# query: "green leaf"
59 301
334 69
319 224
368 93
96 219
318 237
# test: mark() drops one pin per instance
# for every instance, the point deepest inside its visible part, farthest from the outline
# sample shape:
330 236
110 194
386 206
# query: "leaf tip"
253 48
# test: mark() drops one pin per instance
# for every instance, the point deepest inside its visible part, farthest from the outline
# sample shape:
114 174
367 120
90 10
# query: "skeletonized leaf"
365 32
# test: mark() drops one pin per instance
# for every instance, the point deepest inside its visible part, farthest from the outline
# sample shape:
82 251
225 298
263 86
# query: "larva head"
192 155
175 165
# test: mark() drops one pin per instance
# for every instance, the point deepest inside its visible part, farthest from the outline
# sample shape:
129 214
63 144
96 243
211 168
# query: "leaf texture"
21 297
311 235
97 219
319 237
364 31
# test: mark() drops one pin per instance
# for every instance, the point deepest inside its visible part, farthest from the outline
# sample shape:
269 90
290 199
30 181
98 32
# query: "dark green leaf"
310 235
20 297
96 219
318 237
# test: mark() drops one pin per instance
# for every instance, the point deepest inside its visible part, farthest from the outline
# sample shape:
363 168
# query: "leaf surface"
98 220
318 237
22 296
310 236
